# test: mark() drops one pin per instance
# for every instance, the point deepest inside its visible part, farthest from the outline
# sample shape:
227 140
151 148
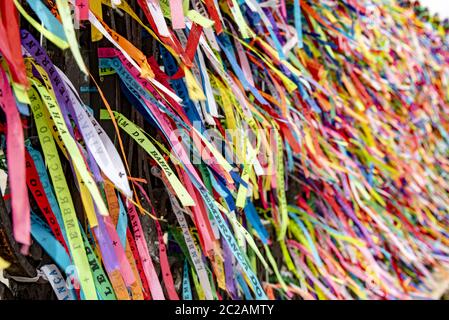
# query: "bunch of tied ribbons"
302 145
